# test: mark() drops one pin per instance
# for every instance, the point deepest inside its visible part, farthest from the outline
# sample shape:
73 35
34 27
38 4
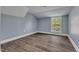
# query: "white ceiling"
15 10
50 11
38 11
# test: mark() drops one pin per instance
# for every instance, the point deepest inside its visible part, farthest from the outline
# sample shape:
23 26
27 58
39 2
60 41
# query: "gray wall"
44 24
65 24
72 17
13 26
0 21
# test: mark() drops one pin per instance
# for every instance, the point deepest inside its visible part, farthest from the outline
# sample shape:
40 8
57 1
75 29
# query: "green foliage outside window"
56 23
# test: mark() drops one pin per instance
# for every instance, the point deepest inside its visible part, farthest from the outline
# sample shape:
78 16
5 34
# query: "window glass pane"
56 23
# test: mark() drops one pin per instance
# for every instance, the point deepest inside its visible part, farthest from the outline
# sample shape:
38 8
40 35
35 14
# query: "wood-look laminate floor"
39 43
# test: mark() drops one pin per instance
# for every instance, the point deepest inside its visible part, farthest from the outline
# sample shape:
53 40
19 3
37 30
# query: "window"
56 24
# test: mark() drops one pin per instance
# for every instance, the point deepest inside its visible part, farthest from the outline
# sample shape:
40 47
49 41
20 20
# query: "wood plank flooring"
39 43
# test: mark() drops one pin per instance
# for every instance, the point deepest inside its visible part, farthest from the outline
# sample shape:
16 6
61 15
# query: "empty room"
39 28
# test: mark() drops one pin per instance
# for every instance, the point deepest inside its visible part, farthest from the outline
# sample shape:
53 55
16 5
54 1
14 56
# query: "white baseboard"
52 33
73 43
15 38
